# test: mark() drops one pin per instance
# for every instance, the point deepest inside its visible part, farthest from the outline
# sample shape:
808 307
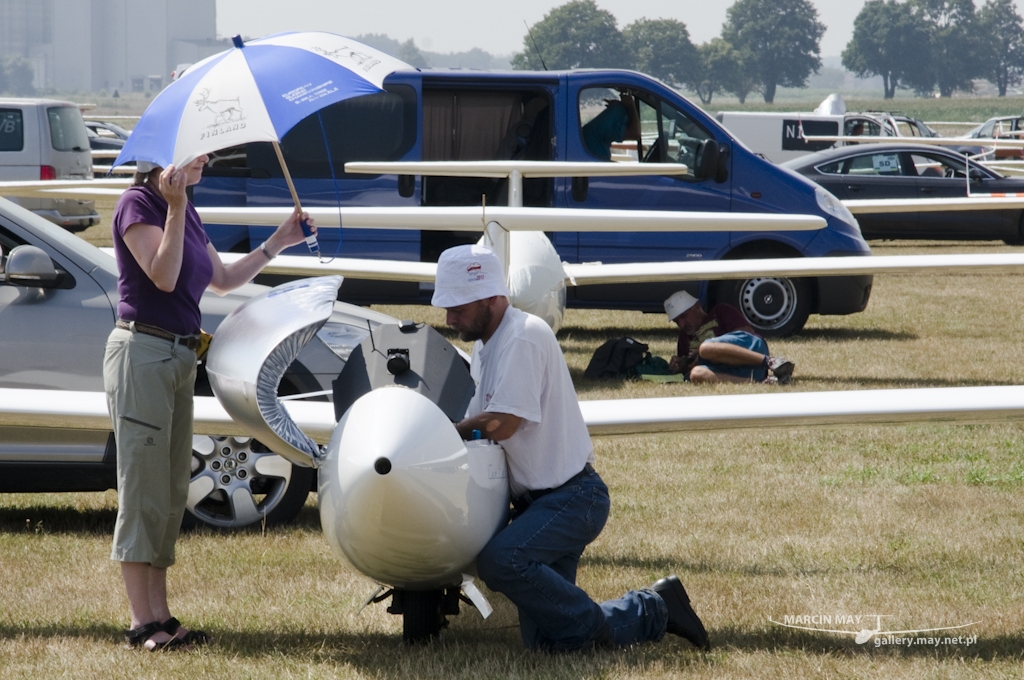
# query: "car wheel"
237 482
775 307
1019 239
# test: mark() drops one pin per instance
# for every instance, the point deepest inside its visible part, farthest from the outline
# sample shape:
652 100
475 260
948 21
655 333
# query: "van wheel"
237 482
775 307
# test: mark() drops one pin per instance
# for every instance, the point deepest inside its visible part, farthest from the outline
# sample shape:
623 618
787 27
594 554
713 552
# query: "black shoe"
682 620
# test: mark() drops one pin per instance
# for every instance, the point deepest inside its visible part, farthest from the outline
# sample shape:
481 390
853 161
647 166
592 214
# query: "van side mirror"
406 185
706 159
580 188
29 266
722 172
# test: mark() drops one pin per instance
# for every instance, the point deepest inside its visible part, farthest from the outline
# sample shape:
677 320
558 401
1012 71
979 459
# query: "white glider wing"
652 272
88 411
476 218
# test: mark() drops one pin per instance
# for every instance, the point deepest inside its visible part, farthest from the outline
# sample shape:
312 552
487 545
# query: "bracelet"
263 247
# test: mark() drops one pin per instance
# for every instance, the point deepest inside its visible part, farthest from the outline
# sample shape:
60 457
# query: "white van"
43 139
777 135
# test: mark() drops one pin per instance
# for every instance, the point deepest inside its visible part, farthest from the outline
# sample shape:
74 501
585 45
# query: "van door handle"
853 187
927 190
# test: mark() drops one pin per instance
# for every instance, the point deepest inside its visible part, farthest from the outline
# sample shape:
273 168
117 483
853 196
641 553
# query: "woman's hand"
289 233
172 184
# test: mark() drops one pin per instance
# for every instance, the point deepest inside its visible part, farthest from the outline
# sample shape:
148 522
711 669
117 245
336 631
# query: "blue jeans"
533 562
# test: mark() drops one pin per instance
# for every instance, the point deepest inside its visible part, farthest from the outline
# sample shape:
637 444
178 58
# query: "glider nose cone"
401 495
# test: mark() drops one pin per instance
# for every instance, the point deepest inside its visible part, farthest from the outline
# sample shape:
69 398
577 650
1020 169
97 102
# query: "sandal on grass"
192 637
138 637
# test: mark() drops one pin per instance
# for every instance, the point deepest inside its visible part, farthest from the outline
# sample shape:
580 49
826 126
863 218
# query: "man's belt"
520 503
189 341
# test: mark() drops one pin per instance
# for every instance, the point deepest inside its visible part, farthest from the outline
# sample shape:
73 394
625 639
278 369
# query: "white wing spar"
652 272
88 411
476 218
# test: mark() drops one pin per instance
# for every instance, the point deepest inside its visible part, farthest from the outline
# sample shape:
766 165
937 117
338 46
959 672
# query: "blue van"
458 115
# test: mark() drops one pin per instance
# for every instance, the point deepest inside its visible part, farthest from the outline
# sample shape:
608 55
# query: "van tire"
775 307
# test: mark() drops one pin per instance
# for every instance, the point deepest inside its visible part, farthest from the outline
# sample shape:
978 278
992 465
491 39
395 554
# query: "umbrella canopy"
254 92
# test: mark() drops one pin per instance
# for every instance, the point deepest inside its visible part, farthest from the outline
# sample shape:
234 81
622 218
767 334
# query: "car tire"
237 482
774 307
1019 239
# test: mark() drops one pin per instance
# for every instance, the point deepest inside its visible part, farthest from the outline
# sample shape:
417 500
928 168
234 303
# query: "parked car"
1011 127
109 130
105 136
53 333
44 139
906 126
441 115
99 142
915 171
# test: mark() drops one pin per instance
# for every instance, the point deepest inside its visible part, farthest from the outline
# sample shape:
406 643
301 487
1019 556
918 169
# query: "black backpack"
616 358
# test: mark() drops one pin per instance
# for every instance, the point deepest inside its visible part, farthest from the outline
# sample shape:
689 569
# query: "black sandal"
138 637
192 637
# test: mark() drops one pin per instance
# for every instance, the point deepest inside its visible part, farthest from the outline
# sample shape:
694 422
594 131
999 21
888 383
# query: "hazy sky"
497 27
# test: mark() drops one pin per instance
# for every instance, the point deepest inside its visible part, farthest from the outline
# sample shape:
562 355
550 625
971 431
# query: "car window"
883 163
927 165
862 126
986 129
667 135
833 168
67 129
12 131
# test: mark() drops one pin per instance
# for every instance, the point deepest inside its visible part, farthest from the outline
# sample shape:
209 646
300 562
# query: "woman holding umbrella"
165 262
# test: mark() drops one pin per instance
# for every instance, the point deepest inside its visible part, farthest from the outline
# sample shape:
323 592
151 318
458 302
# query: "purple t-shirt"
177 311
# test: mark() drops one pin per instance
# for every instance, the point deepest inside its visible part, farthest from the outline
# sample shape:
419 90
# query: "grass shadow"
50 519
55 519
849 335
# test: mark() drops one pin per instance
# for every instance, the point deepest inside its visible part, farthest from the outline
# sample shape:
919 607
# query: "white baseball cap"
678 303
145 167
466 274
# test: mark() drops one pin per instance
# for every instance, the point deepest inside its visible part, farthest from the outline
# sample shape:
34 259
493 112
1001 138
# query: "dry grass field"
920 524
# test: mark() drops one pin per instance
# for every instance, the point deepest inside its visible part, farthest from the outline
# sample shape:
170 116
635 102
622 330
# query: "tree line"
924 45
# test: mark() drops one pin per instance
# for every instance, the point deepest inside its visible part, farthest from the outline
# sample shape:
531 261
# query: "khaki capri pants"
149 383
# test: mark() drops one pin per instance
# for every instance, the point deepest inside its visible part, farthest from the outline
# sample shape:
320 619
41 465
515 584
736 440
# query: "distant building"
93 45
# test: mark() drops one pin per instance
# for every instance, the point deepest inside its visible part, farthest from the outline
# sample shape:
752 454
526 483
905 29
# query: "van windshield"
67 129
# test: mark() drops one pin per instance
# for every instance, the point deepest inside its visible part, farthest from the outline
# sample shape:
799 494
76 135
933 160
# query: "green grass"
921 523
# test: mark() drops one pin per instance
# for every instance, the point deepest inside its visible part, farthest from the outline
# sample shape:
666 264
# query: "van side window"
375 127
666 135
67 129
475 124
12 131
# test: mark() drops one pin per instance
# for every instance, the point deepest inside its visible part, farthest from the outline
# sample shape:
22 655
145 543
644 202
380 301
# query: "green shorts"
149 384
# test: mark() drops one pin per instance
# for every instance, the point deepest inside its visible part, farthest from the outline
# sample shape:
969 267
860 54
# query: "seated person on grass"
720 345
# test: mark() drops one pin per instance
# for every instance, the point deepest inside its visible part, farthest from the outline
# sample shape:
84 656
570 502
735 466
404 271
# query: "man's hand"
491 424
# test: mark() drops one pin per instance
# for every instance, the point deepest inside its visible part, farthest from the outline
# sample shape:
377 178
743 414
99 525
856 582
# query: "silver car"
53 329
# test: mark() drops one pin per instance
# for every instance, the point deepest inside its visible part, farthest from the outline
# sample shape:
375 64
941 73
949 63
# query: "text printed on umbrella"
310 93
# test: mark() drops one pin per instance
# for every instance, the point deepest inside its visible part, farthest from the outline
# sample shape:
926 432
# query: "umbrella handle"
311 241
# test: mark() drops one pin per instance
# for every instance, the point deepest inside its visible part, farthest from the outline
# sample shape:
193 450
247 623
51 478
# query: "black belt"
520 503
189 341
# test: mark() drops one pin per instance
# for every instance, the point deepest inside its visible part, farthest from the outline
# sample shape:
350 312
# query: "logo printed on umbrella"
361 59
223 110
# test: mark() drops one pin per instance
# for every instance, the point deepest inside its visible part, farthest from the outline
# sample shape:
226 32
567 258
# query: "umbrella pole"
314 247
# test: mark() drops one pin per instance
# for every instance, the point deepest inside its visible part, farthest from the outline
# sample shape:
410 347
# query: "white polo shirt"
521 371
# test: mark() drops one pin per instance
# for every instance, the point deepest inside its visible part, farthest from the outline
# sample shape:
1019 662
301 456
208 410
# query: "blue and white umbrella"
255 92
